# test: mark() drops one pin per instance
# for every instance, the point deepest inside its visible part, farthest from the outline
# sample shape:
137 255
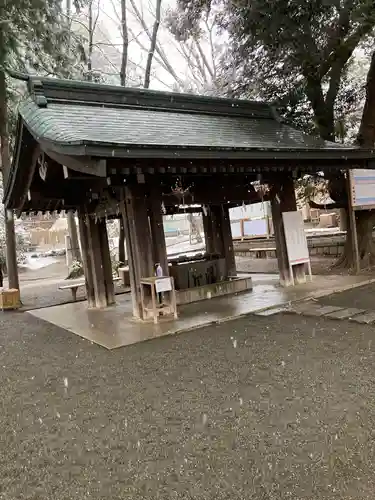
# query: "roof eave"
195 152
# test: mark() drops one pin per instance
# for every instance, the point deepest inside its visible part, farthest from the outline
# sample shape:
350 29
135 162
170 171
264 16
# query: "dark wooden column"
216 222
83 233
208 229
227 240
222 242
283 199
11 251
106 262
138 239
96 262
157 230
127 213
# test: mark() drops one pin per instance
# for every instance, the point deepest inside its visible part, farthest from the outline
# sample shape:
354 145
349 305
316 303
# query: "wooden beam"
26 193
84 165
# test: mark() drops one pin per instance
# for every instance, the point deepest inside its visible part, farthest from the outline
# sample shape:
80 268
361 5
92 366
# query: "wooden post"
97 268
134 273
216 221
143 231
72 229
284 201
83 232
208 229
157 231
226 232
138 240
353 222
106 262
11 251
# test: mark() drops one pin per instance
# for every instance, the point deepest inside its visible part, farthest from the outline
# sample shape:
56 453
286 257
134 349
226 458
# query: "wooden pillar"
106 262
138 240
97 268
216 222
226 237
11 250
96 261
284 200
130 241
208 229
157 231
83 233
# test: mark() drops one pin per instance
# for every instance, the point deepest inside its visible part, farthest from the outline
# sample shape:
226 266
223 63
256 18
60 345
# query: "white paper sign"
363 187
163 285
295 237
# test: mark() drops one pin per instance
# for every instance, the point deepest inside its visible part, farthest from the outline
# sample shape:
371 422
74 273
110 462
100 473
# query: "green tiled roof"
82 124
75 114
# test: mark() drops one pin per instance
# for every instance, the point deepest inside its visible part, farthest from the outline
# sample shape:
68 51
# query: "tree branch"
159 50
328 206
153 44
125 43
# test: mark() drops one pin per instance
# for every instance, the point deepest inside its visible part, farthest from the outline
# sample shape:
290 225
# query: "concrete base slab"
365 319
199 293
303 307
345 313
115 327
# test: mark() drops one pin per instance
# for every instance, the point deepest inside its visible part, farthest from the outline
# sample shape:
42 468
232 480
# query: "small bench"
73 287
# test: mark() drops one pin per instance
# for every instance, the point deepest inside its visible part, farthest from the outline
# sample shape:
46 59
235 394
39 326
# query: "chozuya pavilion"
106 151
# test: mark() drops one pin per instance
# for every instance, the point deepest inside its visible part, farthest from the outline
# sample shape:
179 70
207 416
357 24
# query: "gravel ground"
361 298
260 408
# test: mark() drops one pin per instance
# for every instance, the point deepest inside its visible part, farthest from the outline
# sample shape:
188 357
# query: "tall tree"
302 46
28 29
124 64
153 41
72 226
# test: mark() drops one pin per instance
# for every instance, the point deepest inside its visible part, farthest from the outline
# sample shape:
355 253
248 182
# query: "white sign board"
236 229
163 285
295 237
362 187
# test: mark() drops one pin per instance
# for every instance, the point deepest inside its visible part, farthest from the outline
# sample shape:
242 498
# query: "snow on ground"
34 263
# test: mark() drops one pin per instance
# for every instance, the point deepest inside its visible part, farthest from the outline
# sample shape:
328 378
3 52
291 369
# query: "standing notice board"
296 242
362 188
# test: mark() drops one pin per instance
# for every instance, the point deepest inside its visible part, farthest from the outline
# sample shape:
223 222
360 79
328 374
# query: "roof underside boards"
112 130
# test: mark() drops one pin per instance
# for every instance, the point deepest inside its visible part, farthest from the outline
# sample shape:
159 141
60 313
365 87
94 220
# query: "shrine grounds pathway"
278 407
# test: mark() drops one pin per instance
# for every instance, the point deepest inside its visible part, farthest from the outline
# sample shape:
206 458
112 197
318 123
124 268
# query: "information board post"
296 242
352 219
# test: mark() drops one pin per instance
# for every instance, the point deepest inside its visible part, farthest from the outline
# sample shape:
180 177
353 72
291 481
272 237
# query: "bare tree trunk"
91 43
366 133
124 63
365 219
11 249
153 44
125 43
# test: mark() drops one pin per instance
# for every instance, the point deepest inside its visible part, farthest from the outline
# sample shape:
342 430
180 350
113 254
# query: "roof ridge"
49 90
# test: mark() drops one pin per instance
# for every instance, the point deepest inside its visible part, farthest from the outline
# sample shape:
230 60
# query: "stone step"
345 313
314 309
365 319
